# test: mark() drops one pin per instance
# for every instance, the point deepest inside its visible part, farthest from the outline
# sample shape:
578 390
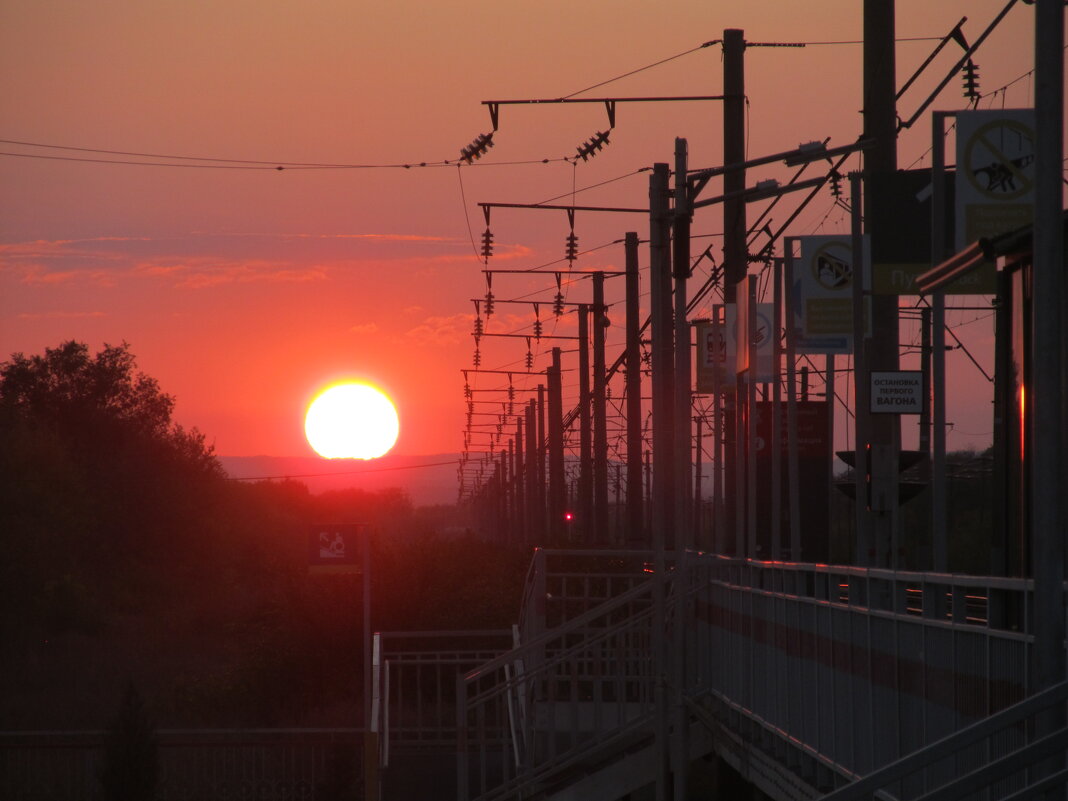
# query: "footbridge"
799 681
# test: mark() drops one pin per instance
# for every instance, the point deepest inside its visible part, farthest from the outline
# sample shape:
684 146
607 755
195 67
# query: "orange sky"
245 291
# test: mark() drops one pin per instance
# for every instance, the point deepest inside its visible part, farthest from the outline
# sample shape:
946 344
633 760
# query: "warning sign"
335 548
711 357
897 392
823 293
995 172
717 349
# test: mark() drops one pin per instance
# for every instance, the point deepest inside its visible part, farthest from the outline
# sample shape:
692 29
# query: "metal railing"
1012 742
415 678
831 671
837 671
581 689
562 583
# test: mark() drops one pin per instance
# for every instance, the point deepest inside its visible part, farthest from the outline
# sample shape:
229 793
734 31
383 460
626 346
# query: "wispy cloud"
206 273
356 236
451 330
203 261
40 275
60 315
365 328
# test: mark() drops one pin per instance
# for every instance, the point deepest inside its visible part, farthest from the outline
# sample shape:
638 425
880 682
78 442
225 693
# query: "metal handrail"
953 743
538 574
537 643
515 686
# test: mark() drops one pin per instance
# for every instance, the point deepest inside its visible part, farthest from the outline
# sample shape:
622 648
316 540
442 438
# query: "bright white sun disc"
351 421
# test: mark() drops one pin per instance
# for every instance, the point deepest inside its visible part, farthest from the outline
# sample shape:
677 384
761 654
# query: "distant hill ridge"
428 480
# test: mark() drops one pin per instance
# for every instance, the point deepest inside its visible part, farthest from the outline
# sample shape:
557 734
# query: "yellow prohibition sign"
997 157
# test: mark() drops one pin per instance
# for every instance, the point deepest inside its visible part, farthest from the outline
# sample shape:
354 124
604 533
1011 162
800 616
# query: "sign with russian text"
897 392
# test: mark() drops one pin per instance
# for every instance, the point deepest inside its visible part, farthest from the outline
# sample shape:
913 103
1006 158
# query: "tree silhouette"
96 481
88 399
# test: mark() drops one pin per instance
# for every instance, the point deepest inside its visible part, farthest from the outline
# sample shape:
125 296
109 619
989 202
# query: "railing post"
372 751
462 793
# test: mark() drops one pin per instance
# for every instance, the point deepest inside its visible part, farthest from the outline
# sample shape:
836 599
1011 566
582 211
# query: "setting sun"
351 421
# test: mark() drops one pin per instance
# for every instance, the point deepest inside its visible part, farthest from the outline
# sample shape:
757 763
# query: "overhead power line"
212 163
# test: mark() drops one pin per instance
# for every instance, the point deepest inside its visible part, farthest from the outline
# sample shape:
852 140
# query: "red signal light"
569 516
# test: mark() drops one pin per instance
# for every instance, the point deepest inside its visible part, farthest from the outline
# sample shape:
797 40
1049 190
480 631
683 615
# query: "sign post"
345 548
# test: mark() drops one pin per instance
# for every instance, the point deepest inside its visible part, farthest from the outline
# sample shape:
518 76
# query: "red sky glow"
245 290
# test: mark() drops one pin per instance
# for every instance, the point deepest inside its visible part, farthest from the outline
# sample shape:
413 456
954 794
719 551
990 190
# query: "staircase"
806 679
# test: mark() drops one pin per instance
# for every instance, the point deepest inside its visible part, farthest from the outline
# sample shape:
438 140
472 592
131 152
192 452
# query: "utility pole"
511 518
1049 484
863 537
635 517
697 536
663 436
680 255
776 415
880 125
542 528
939 251
532 507
585 500
600 422
734 218
522 522
557 488
663 355
497 512
735 264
